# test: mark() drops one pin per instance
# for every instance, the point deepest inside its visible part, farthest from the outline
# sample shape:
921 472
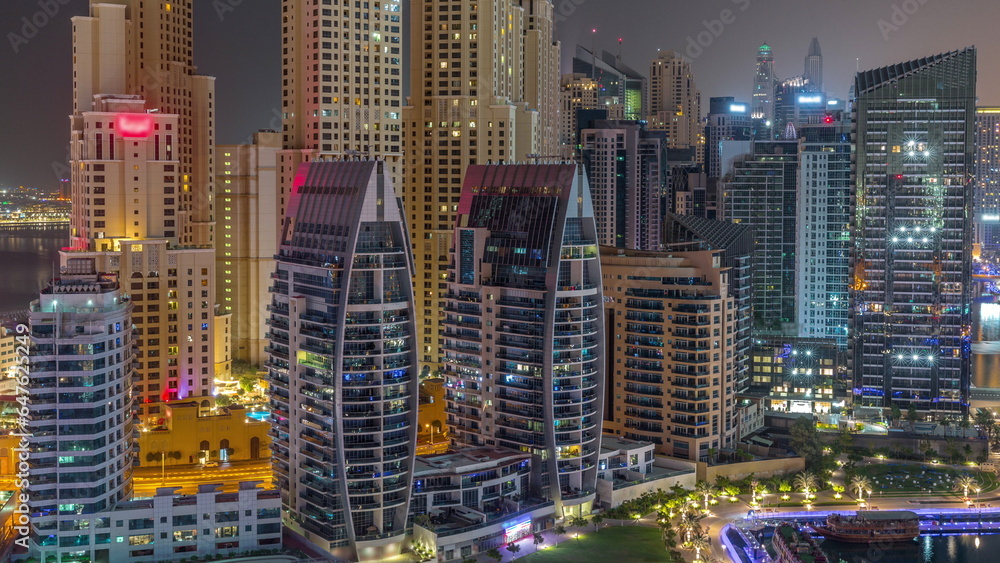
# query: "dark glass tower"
524 329
911 293
343 362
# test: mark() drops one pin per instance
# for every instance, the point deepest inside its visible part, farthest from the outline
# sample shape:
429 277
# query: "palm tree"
494 554
578 522
966 482
559 530
706 490
806 482
784 487
690 524
537 539
513 548
697 543
732 491
860 483
754 487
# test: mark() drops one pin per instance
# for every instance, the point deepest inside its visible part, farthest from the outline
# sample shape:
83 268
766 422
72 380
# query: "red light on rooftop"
134 124
899 176
828 119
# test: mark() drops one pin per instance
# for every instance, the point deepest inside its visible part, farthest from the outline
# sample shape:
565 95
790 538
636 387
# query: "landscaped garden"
613 543
890 478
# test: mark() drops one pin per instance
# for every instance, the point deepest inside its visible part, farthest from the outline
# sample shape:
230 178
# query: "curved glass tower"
524 324
342 361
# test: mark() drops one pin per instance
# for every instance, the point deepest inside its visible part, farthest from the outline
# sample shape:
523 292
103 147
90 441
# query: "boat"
871 525
791 546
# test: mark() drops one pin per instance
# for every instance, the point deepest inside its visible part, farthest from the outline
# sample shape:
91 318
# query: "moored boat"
871 525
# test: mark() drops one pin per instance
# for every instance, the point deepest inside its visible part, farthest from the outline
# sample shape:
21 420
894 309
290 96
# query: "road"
147 479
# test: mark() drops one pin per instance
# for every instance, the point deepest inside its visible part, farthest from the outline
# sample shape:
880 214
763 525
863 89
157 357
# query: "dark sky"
241 47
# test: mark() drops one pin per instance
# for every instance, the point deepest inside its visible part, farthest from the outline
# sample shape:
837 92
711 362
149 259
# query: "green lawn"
634 544
935 479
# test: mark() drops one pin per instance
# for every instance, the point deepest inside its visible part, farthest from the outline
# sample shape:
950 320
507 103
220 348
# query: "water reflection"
986 345
29 257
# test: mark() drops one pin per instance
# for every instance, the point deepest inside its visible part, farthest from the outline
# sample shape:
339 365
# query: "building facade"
342 361
674 101
576 92
911 296
250 200
620 89
626 167
762 193
987 203
814 65
142 183
672 375
823 209
764 81
526 272
480 93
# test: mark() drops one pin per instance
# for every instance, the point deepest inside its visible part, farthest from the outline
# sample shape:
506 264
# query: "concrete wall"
186 431
608 497
917 442
760 468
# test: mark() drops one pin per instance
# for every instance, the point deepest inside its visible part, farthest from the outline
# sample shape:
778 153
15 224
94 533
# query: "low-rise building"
627 469
190 436
432 428
472 500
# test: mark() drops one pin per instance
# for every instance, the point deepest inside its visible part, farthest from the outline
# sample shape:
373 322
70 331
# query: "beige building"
142 136
250 201
674 101
342 72
576 92
484 83
190 435
671 368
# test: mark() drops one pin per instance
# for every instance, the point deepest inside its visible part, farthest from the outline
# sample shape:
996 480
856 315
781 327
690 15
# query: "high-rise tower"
911 295
141 150
483 90
674 101
343 364
524 338
814 66
764 81
987 202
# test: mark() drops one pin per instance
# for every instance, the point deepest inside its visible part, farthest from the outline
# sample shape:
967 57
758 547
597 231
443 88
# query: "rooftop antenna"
593 53
619 49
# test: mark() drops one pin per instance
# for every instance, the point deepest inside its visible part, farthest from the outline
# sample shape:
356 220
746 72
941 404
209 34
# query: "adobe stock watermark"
899 16
22 512
564 9
31 25
696 44
223 7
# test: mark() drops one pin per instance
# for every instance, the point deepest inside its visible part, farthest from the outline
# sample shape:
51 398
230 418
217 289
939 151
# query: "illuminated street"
188 477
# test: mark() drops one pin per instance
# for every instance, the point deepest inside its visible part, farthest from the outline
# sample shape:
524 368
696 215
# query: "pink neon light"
134 124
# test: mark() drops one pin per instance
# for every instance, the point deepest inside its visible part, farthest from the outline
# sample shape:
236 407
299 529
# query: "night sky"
241 46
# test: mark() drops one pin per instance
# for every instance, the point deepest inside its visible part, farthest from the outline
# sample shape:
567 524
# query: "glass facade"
912 255
535 302
343 371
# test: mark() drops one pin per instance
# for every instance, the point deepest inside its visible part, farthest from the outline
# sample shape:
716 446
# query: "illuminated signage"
513 531
810 99
134 124
738 108
831 102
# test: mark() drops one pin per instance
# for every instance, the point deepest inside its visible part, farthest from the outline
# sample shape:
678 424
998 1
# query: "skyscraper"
250 200
912 294
987 200
620 88
823 206
81 329
626 166
764 81
728 121
343 364
342 73
814 65
526 271
762 194
677 391
142 154
576 92
674 100
484 91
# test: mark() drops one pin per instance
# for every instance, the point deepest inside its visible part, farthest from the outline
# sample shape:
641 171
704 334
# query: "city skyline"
248 72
